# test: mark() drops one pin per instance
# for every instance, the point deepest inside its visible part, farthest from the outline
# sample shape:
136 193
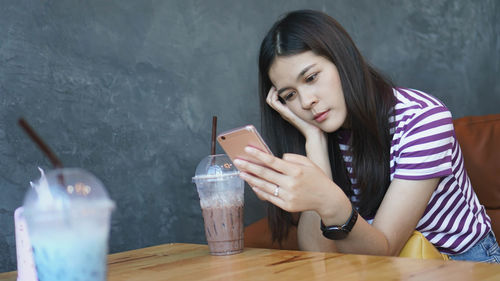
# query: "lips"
320 117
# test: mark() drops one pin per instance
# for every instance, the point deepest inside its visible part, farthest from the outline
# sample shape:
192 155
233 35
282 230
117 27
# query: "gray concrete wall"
126 90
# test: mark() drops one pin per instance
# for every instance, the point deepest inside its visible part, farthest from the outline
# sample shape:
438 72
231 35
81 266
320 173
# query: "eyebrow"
298 77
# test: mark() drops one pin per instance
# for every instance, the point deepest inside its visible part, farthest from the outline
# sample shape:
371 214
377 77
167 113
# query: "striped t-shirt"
424 146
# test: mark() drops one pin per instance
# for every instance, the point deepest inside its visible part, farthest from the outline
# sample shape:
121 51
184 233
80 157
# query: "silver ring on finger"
277 191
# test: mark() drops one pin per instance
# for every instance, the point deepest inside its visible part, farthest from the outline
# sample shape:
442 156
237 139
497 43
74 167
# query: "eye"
290 95
311 78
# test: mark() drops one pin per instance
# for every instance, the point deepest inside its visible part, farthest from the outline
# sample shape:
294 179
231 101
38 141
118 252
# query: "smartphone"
234 141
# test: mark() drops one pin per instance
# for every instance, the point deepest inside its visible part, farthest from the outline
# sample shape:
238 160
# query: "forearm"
335 209
363 239
317 150
309 234
397 217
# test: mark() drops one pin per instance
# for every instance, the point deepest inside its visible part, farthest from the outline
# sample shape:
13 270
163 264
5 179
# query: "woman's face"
310 86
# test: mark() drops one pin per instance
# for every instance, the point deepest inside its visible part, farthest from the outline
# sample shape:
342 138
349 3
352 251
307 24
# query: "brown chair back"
258 235
479 139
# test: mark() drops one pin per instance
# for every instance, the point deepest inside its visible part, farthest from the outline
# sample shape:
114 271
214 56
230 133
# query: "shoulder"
423 136
415 108
413 98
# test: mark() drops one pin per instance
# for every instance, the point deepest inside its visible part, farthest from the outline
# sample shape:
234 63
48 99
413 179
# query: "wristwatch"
339 232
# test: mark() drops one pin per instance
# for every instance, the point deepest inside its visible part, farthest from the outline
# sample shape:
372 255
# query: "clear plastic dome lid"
66 189
215 167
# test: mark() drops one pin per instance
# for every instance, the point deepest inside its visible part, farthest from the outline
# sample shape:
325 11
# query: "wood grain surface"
193 262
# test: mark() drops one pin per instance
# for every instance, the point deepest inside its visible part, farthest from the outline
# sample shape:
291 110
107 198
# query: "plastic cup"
25 265
68 216
221 193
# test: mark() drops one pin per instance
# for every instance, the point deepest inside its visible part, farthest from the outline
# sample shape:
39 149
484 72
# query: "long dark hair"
369 99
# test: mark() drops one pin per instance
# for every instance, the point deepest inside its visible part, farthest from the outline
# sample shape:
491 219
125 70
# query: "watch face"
335 234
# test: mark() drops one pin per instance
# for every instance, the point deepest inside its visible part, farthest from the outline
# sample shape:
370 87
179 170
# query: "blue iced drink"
66 257
68 223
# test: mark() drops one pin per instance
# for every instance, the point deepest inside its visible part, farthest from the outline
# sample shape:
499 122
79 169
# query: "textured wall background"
126 90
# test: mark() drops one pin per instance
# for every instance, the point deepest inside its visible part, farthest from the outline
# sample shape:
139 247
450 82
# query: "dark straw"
214 134
41 144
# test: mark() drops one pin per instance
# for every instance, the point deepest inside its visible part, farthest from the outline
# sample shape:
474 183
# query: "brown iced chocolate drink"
221 193
224 229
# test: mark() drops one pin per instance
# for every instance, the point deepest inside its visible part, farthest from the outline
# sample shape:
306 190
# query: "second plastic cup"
221 193
68 216
25 266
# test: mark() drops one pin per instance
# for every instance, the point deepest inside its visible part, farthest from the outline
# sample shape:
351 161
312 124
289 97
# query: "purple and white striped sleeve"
425 145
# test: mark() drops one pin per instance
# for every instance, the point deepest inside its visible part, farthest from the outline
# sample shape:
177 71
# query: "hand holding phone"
234 142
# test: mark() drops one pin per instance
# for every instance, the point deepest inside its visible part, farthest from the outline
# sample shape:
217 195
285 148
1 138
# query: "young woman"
380 161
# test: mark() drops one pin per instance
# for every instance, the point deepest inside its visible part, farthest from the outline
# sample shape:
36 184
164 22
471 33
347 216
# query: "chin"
330 127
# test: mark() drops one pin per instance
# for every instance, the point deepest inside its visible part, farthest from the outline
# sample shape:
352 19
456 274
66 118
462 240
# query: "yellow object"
420 248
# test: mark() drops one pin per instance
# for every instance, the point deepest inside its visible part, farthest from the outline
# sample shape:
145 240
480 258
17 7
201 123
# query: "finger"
297 159
275 200
258 194
263 172
259 183
285 112
270 161
273 100
271 95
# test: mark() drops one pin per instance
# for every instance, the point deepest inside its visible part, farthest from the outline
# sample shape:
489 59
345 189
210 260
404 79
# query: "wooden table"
193 262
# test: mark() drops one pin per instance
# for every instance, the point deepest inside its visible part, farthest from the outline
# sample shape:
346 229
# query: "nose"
308 99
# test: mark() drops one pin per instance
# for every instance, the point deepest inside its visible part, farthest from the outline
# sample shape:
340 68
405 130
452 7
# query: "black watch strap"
338 232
